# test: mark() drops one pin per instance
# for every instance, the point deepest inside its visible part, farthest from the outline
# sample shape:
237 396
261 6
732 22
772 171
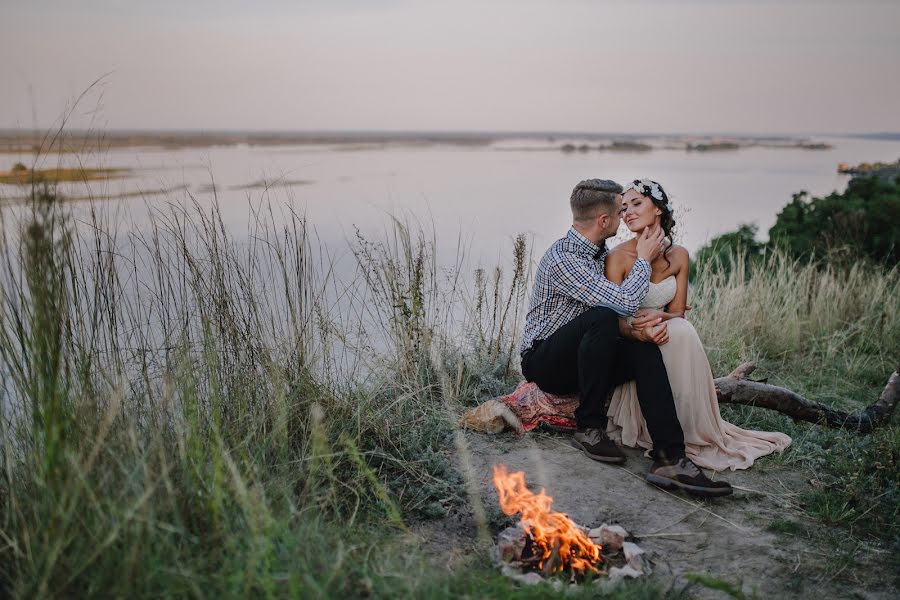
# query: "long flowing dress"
710 441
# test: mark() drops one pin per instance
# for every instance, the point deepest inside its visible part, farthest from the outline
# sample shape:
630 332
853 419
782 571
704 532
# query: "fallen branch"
527 406
737 389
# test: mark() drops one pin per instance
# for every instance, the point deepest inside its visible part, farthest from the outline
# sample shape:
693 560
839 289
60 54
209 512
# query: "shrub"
721 251
863 222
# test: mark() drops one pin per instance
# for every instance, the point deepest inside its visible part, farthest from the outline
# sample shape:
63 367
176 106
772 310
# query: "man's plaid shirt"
570 280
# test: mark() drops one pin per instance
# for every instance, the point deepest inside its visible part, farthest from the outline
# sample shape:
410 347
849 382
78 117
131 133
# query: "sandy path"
725 537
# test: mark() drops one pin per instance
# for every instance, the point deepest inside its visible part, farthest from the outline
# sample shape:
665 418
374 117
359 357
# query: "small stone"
636 557
631 550
511 543
530 578
618 573
523 578
609 536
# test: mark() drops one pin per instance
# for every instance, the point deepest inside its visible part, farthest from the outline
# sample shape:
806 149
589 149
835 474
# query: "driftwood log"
737 389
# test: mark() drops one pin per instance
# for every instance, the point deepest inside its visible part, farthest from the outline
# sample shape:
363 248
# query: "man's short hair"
593 195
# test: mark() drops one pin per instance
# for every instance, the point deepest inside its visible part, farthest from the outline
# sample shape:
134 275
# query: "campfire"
547 543
554 542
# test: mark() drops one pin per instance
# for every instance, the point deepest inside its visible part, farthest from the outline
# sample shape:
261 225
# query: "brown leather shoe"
595 444
683 474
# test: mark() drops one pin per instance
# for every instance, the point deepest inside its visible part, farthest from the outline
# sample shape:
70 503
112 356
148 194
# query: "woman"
709 441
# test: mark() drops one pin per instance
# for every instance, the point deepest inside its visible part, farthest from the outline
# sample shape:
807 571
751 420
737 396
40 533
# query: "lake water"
482 196
486 194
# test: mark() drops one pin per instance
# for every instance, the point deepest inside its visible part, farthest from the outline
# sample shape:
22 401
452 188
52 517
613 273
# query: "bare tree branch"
737 389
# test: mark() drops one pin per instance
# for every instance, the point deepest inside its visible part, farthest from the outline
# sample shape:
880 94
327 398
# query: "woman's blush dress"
709 441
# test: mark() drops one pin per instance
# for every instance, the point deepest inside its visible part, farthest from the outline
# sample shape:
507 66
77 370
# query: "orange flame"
551 531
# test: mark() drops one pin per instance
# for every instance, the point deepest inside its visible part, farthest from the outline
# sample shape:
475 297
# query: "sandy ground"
724 537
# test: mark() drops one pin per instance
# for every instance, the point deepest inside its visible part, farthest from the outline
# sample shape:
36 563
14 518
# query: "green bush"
862 222
721 251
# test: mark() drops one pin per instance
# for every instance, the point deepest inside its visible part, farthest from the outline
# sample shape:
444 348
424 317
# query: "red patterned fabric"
533 406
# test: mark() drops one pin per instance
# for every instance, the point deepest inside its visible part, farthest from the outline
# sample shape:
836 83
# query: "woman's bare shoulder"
626 248
622 254
679 252
629 243
679 255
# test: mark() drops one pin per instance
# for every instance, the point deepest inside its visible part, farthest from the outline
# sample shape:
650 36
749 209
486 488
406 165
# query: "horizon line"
445 132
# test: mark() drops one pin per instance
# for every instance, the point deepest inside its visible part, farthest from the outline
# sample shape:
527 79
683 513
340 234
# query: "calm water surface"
483 196
486 194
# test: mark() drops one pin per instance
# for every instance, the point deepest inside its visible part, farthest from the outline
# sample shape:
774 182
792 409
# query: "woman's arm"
614 268
617 265
682 260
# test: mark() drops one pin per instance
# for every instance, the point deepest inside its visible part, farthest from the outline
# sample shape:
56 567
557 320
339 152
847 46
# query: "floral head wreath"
649 188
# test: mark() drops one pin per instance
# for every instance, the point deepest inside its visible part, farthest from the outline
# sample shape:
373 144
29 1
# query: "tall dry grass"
187 414
831 334
799 318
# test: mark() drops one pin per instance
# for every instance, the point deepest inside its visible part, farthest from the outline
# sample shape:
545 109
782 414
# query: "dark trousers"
588 356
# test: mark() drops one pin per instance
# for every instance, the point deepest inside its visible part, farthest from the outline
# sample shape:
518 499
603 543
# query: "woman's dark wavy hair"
666 219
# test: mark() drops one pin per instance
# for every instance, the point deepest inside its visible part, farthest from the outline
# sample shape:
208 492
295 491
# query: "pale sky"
668 66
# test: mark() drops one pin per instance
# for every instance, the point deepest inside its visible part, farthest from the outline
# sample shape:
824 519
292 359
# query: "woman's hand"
644 317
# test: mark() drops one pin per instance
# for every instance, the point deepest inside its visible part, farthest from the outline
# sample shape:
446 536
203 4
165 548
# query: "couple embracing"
603 321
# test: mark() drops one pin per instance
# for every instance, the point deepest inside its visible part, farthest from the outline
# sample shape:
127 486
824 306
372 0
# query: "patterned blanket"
524 409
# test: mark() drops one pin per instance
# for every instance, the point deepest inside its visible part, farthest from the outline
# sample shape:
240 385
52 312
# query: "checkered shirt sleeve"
570 280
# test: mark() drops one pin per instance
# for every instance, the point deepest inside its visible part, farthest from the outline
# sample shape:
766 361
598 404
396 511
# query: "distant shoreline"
22 142
74 141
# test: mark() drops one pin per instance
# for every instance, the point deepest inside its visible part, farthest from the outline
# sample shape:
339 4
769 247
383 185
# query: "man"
572 341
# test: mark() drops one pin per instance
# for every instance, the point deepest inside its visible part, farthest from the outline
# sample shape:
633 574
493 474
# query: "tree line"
860 224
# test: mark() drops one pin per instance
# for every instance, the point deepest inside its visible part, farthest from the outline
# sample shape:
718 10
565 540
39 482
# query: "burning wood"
546 542
556 542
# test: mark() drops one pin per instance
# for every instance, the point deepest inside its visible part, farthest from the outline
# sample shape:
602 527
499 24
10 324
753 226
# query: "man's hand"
626 330
643 317
657 333
650 243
